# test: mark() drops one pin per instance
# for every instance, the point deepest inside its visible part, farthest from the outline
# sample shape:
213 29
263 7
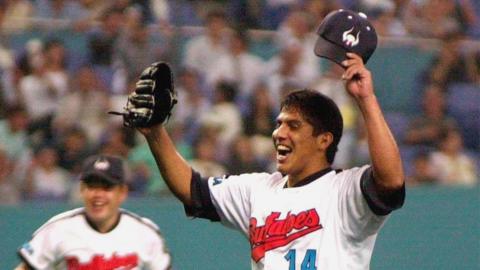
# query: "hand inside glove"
153 99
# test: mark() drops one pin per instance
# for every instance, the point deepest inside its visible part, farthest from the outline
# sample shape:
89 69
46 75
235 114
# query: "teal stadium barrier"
438 228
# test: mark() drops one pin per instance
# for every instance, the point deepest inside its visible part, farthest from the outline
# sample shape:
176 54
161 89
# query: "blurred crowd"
54 97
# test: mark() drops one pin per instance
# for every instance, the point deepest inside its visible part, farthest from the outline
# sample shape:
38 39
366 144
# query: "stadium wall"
438 228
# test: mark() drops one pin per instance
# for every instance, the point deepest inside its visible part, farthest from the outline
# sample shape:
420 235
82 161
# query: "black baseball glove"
153 99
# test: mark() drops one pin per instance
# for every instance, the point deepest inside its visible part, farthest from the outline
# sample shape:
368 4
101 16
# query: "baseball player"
307 215
100 235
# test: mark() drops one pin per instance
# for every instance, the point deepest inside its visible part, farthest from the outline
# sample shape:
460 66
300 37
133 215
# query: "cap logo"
101 165
349 39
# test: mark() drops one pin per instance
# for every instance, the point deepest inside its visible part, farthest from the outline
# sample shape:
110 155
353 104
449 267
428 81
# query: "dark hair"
15 109
241 34
320 111
52 42
228 90
215 14
110 11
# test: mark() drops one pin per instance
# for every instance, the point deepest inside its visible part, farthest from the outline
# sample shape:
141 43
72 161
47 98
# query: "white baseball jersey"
67 241
324 224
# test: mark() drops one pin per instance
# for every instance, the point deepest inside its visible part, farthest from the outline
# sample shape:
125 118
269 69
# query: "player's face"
298 151
102 202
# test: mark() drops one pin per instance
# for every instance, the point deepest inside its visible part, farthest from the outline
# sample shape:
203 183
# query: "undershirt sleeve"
202 206
381 202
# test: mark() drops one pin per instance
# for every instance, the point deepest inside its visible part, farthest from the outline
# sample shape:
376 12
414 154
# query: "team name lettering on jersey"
99 262
279 232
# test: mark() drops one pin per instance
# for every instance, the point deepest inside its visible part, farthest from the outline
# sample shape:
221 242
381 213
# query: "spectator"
242 158
13 133
297 31
85 105
3 101
384 17
15 16
185 12
146 176
281 70
73 149
259 121
134 48
94 8
101 43
275 12
203 51
9 192
422 173
146 180
160 11
225 115
450 164
438 18
331 85
190 93
319 9
248 14
238 65
260 117
426 128
452 64
39 94
15 140
55 66
46 180
8 90
60 9
205 154
116 141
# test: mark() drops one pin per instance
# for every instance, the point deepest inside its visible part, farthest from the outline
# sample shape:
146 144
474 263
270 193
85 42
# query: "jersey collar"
307 180
93 226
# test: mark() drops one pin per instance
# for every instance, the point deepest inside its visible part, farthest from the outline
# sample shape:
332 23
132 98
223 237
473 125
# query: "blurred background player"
100 233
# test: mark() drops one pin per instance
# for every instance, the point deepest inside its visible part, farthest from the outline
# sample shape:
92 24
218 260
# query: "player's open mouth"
98 205
283 152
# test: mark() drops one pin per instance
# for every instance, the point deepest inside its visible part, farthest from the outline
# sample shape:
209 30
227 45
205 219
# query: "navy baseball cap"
110 169
343 31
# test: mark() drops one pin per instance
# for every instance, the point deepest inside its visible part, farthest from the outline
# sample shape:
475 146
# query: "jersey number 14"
308 262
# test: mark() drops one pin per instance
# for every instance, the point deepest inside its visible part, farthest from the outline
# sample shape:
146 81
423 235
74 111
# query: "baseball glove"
153 99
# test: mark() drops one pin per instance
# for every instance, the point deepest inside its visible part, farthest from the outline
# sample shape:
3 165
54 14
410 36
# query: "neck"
105 226
297 180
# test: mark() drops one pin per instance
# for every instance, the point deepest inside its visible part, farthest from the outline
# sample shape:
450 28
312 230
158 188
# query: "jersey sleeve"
159 254
356 217
231 197
39 252
225 199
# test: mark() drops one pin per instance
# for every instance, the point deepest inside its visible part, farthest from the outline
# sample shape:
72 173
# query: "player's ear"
324 140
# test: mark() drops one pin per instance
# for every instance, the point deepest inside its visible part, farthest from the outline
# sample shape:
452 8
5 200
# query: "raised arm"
386 162
148 107
176 172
